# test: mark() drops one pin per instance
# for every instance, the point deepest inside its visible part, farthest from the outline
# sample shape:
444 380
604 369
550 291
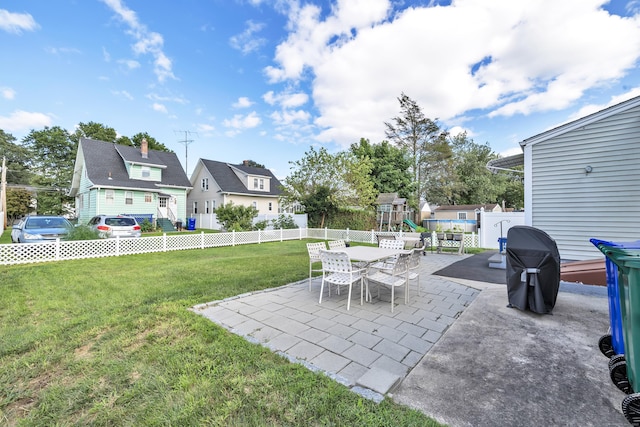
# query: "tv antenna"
186 141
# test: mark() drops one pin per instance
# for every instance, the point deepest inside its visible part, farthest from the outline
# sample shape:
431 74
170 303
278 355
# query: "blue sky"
267 79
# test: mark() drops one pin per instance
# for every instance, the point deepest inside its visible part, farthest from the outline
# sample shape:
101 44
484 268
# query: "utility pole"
186 141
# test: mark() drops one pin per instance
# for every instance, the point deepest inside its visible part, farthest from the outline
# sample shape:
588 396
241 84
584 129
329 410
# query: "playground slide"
411 224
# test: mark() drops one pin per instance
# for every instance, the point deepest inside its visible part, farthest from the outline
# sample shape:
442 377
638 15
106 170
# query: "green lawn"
111 341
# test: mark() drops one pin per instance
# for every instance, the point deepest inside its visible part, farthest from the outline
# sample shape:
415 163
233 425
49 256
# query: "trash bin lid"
623 254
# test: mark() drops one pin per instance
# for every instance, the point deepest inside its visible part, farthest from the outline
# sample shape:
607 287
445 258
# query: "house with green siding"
114 179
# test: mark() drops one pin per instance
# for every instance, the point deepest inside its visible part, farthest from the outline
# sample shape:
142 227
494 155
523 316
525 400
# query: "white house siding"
573 206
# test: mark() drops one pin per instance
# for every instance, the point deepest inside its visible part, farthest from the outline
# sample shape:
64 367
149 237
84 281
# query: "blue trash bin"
191 223
502 241
616 344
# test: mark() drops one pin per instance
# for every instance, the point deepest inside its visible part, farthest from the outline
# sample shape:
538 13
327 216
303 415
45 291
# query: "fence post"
117 245
233 237
348 239
58 249
202 240
325 234
164 242
281 234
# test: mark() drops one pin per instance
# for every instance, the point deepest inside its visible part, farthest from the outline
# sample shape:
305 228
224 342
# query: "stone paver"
367 347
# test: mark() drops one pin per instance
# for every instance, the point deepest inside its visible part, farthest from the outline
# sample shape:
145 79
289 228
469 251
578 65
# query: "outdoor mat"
476 268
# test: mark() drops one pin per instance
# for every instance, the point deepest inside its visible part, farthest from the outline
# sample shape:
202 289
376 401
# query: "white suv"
115 226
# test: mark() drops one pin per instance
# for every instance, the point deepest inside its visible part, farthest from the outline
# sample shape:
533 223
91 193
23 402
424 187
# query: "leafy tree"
319 204
236 218
16 158
474 183
390 167
425 143
19 203
284 222
52 154
325 182
153 143
255 164
96 131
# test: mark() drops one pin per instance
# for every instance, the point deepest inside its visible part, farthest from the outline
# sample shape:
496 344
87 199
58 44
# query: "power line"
186 141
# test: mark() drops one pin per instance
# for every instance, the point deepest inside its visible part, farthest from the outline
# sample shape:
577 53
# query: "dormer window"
261 184
146 171
255 183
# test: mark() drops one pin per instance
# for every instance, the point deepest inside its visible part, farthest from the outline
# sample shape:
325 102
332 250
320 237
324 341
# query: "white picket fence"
23 253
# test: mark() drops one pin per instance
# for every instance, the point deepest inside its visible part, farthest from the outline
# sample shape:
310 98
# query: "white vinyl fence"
23 253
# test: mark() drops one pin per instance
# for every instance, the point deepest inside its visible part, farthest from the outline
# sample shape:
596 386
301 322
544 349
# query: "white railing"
23 253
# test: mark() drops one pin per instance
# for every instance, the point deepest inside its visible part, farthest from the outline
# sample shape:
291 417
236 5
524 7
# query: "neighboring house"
219 183
463 212
458 217
118 179
582 180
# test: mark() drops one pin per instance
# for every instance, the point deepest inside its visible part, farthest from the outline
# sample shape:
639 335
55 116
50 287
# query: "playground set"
393 213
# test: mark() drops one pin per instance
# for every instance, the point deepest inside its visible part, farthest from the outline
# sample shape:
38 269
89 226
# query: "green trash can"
625 369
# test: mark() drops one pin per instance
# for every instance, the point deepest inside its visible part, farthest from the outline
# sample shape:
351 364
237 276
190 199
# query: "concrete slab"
499 366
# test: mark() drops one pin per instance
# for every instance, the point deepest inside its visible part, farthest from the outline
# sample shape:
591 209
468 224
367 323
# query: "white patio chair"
335 245
388 244
393 278
413 272
338 270
314 257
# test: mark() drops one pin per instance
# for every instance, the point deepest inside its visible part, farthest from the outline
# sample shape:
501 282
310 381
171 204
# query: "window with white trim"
128 197
146 171
270 206
148 197
462 215
109 196
205 184
255 182
254 204
261 184
213 205
195 207
206 206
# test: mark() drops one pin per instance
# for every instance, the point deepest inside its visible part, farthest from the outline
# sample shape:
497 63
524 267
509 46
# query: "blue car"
37 229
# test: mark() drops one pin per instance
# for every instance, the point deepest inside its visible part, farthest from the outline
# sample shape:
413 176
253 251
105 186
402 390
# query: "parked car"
40 228
115 226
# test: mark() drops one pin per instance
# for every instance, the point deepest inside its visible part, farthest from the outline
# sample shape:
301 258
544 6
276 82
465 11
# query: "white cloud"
62 50
7 93
23 120
246 42
146 42
123 93
159 108
242 102
286 99
129 63
203 127
17 22
593 108
106 55
240 122
499 57
176 99
287 117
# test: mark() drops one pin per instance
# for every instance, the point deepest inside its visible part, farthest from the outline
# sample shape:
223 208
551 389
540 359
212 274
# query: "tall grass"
111 341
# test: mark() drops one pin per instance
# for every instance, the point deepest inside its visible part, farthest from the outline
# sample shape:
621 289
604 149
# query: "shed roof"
487 207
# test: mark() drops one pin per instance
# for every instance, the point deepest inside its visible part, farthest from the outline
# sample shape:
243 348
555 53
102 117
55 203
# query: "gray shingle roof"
104 160
230 183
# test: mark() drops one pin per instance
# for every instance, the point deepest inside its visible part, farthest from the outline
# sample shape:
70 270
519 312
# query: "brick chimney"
144 148
245 162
